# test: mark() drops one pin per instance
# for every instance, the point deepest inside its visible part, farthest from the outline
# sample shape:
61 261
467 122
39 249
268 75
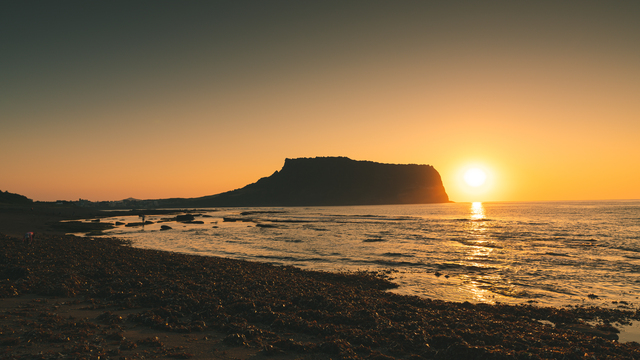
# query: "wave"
626 248
465 267
374 240
255 212
472 220
392 254
533 223
292 258
396 263
386 263
378 217
479 242
550 253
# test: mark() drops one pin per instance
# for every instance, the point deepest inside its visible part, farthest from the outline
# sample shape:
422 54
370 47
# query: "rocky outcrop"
327 181
11 198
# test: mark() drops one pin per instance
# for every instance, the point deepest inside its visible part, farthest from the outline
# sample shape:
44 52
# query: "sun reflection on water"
477 224
482 284
477 211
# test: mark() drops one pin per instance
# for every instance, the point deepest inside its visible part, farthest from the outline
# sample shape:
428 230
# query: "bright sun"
475 177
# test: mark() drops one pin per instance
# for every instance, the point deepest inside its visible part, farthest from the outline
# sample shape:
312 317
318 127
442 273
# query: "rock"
184 218
134 224
165 227
236 340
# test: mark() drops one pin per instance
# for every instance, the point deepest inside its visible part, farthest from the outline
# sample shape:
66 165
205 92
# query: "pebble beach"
74 297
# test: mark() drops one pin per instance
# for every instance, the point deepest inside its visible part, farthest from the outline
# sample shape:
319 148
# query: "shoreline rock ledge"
334 181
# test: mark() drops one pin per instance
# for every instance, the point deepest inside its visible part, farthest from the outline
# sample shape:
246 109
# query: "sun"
475 177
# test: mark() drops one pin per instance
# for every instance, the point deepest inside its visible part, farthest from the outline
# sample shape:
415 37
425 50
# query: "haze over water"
544 253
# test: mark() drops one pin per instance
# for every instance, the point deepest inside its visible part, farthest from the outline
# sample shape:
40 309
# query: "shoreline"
468 275
61 219
224 308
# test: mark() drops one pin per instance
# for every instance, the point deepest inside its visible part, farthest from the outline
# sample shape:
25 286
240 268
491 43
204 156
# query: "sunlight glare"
475 177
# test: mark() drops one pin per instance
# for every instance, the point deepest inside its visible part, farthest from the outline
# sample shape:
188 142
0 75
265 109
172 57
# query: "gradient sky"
109 100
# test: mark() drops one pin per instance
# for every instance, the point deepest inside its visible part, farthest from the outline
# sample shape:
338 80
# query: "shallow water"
545 253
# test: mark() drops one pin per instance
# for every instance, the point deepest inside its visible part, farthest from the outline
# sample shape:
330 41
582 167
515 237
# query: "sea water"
543 253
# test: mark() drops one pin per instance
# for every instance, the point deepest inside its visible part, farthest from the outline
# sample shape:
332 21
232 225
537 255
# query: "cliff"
327 181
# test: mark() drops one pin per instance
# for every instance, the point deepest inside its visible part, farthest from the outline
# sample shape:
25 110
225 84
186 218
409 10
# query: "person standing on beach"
29 237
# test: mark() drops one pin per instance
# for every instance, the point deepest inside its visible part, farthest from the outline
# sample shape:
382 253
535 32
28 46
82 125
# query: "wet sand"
71 297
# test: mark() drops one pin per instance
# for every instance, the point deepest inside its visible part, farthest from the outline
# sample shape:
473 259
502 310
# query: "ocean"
542 253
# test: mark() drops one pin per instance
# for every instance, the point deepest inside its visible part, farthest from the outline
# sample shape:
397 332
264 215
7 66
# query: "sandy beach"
71 297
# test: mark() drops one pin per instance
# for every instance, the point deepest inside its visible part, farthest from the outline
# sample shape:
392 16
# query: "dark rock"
15 272
236 340
165 227
79 226
133 224
184 218
234 219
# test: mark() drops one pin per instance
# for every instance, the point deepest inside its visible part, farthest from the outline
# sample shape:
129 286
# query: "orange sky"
110 101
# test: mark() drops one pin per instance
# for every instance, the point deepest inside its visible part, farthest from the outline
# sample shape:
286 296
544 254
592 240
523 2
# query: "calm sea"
544 253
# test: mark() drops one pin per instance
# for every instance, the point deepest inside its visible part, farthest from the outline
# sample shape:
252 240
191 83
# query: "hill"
11 198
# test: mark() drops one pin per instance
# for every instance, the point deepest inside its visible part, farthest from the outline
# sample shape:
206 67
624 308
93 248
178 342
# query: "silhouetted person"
143 220
29 238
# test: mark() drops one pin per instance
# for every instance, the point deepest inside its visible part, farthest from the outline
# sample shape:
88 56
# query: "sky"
106 100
